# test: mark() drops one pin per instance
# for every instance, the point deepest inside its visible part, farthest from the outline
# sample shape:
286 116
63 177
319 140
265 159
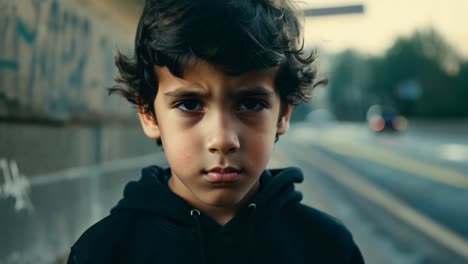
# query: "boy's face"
217 131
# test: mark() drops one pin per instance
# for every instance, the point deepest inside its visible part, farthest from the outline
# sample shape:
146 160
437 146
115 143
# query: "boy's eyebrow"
244 91
182 92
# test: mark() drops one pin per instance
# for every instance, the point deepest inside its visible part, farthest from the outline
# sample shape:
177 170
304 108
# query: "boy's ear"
283 121
149 124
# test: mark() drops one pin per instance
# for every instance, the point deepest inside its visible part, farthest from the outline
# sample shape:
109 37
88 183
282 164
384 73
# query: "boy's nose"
223 138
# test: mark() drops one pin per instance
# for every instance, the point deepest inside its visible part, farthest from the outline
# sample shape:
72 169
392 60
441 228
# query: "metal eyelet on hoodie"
195 211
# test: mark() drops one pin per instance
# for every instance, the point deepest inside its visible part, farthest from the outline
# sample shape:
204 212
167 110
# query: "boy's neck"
222 215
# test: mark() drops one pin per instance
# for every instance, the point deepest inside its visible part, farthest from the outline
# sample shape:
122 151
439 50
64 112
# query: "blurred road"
404 196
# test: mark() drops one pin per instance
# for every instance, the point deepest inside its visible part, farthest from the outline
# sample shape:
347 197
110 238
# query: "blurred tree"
430 63
420 75
347 86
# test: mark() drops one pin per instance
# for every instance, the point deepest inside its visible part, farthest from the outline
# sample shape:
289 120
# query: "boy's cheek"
181 143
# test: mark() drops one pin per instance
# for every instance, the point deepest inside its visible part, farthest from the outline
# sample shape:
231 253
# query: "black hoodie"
151 224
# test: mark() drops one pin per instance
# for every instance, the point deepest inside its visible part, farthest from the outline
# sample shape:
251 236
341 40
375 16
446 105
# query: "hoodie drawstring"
250 239
195 214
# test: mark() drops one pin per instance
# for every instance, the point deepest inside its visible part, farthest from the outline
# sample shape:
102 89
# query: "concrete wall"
57 178
56 59
55 181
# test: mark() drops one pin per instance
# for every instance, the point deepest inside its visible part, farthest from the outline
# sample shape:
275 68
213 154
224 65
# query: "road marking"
400 162
395 206
105 167
454 152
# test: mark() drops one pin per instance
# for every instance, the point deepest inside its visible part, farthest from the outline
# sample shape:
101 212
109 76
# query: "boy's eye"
189 105
252 104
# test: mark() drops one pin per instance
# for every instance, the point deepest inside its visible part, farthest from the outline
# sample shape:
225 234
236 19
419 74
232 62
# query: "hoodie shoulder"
323 233
312 217
102 238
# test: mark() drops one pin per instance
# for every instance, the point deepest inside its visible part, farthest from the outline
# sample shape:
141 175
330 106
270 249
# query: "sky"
384 20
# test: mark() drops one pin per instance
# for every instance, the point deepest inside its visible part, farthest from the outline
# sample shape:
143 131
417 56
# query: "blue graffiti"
5 63
50 69
22 31
8 64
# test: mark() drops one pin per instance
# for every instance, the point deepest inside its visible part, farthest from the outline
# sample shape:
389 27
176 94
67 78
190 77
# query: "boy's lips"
222 175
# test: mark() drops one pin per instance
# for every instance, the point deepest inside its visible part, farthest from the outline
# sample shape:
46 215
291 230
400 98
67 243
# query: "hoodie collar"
152 194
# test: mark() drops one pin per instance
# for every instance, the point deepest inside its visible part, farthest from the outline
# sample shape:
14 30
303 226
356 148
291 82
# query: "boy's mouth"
223 175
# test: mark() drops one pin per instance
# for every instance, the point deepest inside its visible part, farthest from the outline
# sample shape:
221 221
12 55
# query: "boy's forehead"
201 71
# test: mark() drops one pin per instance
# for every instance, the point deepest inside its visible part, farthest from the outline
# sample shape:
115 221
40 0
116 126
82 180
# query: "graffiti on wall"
15 185
55 59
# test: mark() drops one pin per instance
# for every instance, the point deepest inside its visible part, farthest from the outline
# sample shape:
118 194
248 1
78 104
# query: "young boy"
214 83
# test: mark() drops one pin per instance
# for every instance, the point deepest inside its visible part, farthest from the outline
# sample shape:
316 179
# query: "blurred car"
385 118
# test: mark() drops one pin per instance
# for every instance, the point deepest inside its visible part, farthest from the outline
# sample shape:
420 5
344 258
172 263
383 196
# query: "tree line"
420 76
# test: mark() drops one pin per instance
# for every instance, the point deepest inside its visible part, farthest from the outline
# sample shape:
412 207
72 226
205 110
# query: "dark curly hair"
236 35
